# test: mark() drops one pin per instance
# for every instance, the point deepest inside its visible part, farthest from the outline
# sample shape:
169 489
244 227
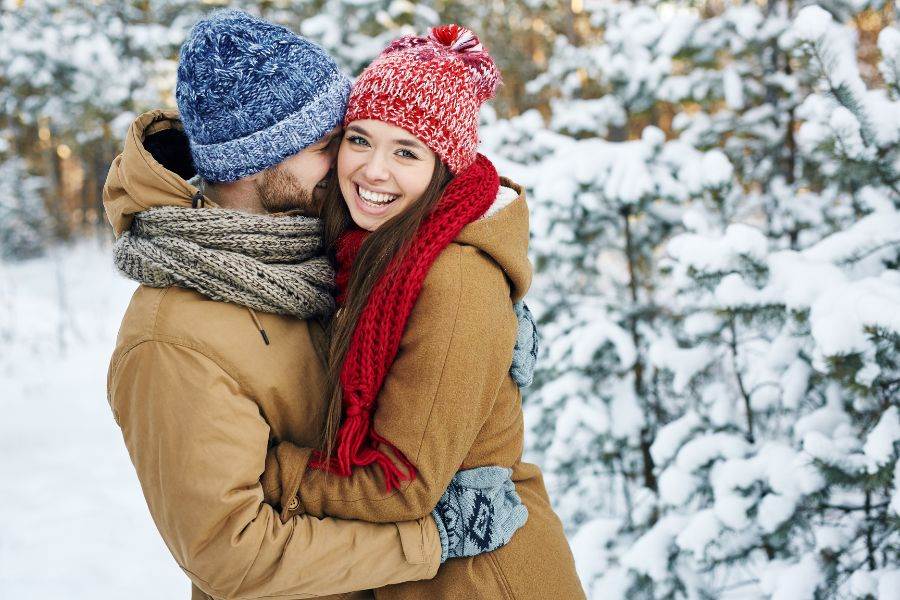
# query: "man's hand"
479 512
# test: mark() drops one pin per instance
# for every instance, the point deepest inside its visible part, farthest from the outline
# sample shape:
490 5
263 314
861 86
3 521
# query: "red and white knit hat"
432 86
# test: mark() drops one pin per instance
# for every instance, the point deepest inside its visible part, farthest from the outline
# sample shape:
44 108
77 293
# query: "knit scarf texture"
376 338
270 263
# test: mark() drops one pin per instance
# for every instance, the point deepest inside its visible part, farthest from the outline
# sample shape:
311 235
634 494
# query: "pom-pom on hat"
252 93
432 86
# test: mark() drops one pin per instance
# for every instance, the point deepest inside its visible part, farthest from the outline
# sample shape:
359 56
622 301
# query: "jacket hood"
502 234
151 171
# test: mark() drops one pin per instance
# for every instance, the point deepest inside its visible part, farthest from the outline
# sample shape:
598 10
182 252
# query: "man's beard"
279 191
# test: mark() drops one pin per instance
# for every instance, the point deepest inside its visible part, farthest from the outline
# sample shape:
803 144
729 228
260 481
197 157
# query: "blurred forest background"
715 198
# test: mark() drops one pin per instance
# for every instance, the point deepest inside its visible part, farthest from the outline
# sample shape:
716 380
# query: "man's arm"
199 444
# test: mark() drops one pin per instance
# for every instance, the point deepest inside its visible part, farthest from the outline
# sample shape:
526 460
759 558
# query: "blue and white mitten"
526 349
478 512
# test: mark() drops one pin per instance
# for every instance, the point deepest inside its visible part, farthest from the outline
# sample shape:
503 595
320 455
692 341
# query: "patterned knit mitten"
479 512
526 349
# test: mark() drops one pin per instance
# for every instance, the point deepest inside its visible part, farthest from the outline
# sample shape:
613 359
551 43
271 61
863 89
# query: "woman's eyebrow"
399 142
409 144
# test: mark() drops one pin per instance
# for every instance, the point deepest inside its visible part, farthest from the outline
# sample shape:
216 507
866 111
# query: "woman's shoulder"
499 239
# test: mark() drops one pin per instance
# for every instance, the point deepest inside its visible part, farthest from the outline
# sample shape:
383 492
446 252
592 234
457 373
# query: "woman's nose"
376 169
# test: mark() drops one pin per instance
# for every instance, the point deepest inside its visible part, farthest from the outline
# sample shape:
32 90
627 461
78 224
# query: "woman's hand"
271 480
526 348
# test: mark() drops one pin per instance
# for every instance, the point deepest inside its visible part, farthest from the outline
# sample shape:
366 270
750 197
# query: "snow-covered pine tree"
804 325
24 227
355 31
601 212
674 422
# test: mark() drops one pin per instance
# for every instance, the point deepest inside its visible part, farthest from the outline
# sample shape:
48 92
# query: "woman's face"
382 170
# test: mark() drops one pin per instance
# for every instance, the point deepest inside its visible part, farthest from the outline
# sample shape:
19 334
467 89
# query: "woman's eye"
357 140
406 154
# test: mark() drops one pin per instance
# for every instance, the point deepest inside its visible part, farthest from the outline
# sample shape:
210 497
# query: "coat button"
293 503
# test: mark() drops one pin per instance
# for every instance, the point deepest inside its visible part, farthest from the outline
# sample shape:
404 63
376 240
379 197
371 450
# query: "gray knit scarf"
269 263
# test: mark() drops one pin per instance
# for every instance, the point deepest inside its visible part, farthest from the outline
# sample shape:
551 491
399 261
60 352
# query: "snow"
839 318
73 517
895 496
794 383
889 45
774 510
880 446
670 438
863 584
589 546
812 23
626 416
685 363
703 529
712 253
702 449
791 581
676 486
888 584
650 553
734 91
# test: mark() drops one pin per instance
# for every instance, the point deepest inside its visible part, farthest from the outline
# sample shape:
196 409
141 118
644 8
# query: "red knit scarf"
380 327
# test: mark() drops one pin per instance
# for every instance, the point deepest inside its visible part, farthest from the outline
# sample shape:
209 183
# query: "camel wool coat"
449 403
199 395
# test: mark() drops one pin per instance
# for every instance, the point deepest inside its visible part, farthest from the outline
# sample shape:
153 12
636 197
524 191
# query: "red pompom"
467 47
456 38
460 43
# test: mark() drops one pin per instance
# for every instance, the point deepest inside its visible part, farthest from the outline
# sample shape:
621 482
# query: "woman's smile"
382 169
373 197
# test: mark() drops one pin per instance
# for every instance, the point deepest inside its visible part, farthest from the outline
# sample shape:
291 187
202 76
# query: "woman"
431 247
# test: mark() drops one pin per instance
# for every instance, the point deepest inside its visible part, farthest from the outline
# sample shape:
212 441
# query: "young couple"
287 449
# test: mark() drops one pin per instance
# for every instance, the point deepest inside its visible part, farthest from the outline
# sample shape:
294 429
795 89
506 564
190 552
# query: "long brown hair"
391 240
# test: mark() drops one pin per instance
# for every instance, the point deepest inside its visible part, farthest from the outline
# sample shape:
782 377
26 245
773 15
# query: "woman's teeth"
375 198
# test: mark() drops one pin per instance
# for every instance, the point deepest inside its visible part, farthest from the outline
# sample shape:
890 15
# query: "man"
217 357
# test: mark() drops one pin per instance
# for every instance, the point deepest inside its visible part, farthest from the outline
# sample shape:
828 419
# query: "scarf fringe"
352 453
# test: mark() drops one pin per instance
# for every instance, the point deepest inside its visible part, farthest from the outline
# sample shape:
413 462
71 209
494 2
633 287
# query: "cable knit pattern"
268 263
252 93
379 330
432 86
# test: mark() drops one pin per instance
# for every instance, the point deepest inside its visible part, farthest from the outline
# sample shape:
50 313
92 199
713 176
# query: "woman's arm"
453 358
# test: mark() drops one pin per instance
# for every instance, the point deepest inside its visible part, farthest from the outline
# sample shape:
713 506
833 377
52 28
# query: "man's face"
292 184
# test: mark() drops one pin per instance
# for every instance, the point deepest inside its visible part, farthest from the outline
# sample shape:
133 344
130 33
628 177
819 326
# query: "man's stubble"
279 191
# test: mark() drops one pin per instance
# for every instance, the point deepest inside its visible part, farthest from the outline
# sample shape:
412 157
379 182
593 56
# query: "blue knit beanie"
252 93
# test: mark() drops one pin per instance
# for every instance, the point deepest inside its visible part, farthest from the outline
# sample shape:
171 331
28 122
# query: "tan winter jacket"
199 395
448 402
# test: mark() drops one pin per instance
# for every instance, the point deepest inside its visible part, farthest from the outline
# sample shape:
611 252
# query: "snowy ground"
73 522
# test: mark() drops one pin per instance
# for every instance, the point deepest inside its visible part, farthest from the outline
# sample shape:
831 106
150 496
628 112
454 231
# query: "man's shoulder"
186 318
176 315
